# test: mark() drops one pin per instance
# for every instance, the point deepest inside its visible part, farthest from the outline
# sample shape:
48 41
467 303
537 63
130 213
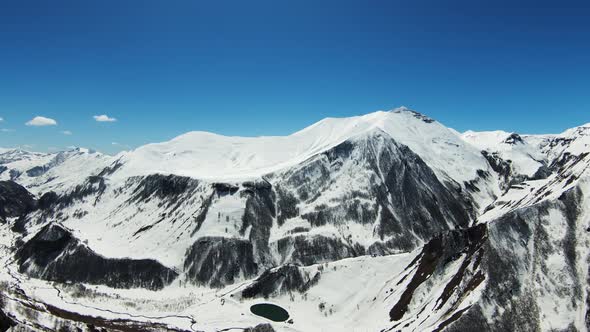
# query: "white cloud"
6 130
39 121
104 118
1 119
66 132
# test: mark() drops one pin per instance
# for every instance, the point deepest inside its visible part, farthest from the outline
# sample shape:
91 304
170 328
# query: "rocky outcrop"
217 261
394 190
258 218
308 250
166 187
15 200
37 171
534 257
260 328
42 169
282 280
92 186
55 254
5 322
434 259
532 260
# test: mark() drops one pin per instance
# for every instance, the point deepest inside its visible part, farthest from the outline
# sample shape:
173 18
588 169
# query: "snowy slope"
573 141
209 156
526 158
564 158
19 161
349 196
42 172
528 153
383 222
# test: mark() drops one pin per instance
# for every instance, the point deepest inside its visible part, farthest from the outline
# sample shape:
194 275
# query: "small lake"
270 311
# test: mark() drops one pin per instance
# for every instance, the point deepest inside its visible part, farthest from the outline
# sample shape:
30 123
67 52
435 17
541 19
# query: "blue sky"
162 68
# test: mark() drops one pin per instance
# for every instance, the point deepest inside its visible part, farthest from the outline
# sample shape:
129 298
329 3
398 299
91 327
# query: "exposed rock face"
5 322
534 257
92 186
168 187
47 200
434 260
305 250
14 174
54 254
37 171
257 220
508 175
15 200
219 261
514 138
532 260
42 169
394 179
285 279
260 328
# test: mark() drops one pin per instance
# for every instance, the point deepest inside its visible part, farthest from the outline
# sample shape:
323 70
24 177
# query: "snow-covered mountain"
388 221
43 172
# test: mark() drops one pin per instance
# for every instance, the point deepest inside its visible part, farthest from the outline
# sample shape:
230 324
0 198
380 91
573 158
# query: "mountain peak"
417 115
514 138
583 130
207 155
401 109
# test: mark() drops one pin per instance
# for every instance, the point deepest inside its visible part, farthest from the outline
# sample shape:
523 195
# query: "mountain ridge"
451 230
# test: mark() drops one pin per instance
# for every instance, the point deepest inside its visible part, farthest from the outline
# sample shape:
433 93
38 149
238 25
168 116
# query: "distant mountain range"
388 221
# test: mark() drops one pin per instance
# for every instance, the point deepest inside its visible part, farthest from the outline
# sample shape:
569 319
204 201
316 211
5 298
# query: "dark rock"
92 186
285 279
520 243
55 254
258 217
200 218
260 328
287 205
14 174
417 115
47 200
15 200
442 249
399 180
304 250
217 261
42 169
499 165
223 189
514 138
5 322
166 187
37 171
542 173
110 170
